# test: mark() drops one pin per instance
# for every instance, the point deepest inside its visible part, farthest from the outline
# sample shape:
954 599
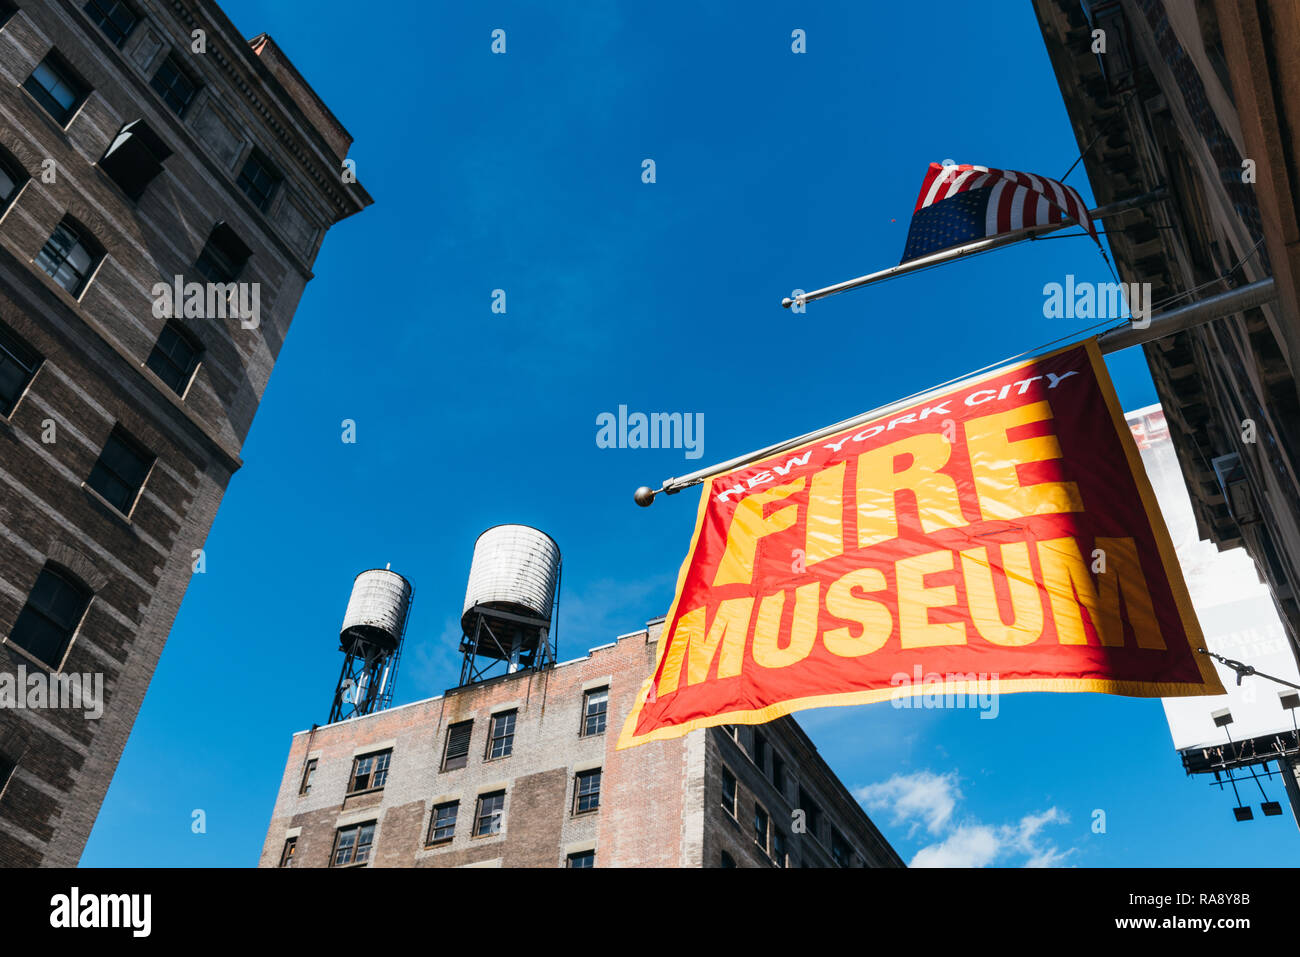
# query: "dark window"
595 709
442 826
174 85
730 731
728 792
812 814
47 622
7 768
7 10
12 178
259 179
778 847
70 256
582 859
223 256
840 849
586 791
489 814
57 88
114 17
174 358
134 158
18 364
760 827
120 472
308 774
352 845
778 772
501 735
456 754
290 848
369 771
727 860
760 751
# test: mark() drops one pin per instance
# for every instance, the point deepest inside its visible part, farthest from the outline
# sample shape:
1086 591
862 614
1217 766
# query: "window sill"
112 510
45 666
435 845
591 810
352 794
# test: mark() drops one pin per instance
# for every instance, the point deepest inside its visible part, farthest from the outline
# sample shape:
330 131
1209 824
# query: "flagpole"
971 249
1167 323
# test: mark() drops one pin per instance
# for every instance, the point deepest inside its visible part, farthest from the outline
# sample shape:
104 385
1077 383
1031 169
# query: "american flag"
961 204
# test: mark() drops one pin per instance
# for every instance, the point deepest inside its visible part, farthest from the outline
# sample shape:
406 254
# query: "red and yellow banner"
999 533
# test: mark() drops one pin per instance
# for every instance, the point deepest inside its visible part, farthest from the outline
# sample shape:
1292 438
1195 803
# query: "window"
456 754
352 845
727 860
840 850
120 472
47 622
7 10
760 751
134 158
259 179
223 256
174 85
12 178
595 709
778 772
501 735
581 859
290 848
18 363
728 792
174 358
730 731
812 813
308 774
114 17
70 256
55 86
490 812
369 771
7 768
442 826
760 827
779 847
586 791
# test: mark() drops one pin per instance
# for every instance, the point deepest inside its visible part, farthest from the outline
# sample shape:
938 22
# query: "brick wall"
93 376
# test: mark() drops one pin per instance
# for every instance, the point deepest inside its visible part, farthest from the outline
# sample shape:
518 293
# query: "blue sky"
522 172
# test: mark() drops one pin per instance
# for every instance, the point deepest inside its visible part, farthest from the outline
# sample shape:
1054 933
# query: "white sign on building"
1235 609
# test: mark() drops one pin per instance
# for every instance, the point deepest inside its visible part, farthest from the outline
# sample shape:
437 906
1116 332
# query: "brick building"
520 771
142 143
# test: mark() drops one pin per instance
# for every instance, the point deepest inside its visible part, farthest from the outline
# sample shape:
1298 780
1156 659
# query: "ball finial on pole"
645 496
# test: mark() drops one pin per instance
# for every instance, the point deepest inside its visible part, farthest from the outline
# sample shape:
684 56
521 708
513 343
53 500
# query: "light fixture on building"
1236 488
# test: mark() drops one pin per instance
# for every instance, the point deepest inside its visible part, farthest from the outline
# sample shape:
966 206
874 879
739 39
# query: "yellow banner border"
1164 545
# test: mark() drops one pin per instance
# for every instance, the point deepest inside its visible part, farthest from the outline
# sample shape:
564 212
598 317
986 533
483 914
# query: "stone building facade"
521 771
1202 98
144 145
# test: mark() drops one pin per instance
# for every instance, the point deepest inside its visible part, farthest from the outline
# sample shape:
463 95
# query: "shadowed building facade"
1202 97
145 145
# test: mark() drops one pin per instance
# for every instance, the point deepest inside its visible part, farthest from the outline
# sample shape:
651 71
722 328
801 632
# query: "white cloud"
967 846
924 798
922 795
